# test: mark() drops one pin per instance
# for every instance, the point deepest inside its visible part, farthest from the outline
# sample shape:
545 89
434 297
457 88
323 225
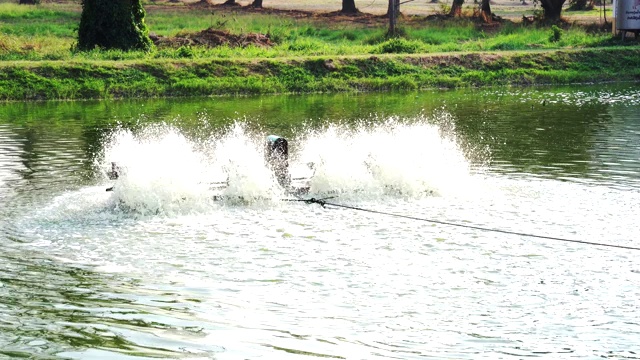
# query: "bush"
556 34
398 46
581 4
184 52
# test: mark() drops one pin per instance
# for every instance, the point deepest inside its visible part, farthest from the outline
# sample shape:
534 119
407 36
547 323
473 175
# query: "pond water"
158 269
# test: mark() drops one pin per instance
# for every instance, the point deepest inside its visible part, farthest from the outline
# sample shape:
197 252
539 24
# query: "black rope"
323 203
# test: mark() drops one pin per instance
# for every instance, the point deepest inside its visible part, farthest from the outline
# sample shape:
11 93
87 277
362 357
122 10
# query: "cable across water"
322 202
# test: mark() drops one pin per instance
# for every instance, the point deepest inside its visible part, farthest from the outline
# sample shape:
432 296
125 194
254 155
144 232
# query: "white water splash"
408 159
166 172
241 158
160 170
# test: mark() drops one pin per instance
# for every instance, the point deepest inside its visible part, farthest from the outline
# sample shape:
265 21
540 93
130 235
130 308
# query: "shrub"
184 52
398 46
556 34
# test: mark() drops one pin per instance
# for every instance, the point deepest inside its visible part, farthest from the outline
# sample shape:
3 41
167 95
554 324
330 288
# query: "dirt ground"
372 10
212 38
375 7
508 9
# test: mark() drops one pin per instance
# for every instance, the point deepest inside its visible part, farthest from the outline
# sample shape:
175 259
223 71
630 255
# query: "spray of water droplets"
163 170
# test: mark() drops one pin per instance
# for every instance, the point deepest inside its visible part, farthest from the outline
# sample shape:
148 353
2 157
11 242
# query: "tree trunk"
113 24
456 8
485 11
552 9
349 7
582 4
390 8
230 2
27 2
391 14
257 3
578 5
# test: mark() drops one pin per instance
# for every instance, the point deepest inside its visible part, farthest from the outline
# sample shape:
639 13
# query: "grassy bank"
152 78
309 53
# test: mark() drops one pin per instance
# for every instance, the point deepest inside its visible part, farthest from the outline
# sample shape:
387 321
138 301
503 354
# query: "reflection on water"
156 269
47 304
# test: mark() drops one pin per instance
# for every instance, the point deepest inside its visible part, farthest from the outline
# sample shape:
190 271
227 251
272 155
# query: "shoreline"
89 80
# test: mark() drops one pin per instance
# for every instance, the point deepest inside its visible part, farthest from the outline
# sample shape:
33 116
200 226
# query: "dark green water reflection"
47 307
561 131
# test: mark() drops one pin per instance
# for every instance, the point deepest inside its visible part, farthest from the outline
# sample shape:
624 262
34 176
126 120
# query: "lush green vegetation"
104 79
38 60
50 32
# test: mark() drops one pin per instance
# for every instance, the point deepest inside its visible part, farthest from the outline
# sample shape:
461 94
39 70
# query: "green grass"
37 60
48 32
165 77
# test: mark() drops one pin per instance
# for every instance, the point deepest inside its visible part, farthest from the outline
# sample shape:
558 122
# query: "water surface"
157 269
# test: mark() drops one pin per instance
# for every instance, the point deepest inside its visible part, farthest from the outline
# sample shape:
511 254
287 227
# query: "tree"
113 24
390 8
29 2
581 4
393 10
257 3
349 7
552 9
485 11
456 8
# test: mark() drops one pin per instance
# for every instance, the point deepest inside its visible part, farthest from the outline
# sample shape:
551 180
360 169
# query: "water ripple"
84 277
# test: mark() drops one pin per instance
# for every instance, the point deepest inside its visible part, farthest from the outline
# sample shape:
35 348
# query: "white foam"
241 158
167 172
408 159
161 171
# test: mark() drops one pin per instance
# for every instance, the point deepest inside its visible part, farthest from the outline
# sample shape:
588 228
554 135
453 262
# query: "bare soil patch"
211 38
371 12
251 9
